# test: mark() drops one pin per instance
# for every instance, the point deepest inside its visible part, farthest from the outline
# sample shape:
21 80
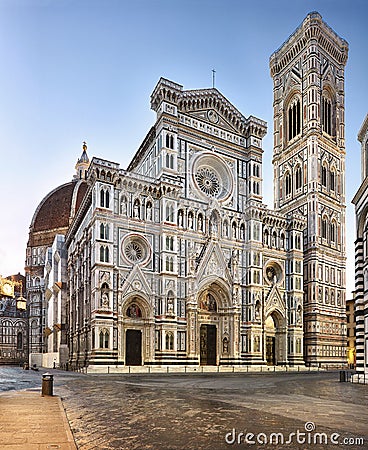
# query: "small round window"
136 249
273 273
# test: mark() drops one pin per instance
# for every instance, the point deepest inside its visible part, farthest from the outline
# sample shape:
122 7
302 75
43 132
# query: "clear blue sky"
84 70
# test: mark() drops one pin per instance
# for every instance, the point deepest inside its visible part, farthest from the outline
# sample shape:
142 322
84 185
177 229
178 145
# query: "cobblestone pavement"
172 412
207 411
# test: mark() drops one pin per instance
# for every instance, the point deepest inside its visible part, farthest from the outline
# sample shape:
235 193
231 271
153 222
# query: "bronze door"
208 344
270 350
133 349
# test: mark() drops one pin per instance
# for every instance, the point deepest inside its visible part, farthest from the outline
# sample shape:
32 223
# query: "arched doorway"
270 334
136 327
275 339
214 324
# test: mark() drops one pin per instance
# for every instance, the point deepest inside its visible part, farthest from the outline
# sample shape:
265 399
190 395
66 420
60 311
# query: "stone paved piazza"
197 411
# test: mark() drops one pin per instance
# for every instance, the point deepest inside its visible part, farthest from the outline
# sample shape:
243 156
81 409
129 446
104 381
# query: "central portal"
208 342
133 349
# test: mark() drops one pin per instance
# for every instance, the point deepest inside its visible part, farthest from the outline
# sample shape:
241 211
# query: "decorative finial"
84 146
213 77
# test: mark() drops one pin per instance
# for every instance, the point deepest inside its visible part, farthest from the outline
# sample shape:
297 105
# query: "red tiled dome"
54 213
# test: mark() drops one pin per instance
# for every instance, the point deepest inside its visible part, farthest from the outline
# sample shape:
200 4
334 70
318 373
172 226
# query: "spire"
82 164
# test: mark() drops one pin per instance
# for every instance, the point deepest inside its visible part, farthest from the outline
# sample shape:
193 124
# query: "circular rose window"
273 273
208 181
212 177
136 249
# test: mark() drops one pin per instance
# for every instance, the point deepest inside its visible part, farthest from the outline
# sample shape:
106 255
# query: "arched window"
294 119
266 237
332 180
298 178
169 341
170 243
104 253
104 198
333 232
324 228
19 340
104 339
327 115
169 264
287 184
324 175
169 160
104 231
170 141
169 213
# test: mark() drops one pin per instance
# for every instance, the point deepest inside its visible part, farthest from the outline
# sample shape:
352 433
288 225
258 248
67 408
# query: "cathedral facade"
178 261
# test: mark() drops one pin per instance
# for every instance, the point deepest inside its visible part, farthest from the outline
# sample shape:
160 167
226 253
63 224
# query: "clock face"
8 289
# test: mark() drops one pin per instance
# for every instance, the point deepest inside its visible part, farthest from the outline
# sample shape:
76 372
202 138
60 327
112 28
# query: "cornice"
312 28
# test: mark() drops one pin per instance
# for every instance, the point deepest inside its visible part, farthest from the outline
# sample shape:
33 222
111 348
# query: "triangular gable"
213 263
274 301
211 106
136 282
214 118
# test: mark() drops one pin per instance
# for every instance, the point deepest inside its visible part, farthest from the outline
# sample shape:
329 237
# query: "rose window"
212 176
208 181
273 273
136 249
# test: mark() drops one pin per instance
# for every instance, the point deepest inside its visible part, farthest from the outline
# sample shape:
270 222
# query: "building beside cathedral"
177 260
361 256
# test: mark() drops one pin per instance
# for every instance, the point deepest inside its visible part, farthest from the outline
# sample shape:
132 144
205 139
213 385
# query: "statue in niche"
170 307
134 311
299 315
180 218
213 225
225 345
258 311
190 220
200 223
105 300
136 210
123 206
149 211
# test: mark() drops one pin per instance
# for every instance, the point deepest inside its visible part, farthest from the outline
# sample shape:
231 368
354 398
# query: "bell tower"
309 174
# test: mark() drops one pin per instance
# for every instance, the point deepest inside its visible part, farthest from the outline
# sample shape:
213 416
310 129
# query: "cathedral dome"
55 212
57 209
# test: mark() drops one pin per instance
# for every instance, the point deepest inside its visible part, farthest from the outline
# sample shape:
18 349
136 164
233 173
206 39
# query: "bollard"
342 376
47 384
